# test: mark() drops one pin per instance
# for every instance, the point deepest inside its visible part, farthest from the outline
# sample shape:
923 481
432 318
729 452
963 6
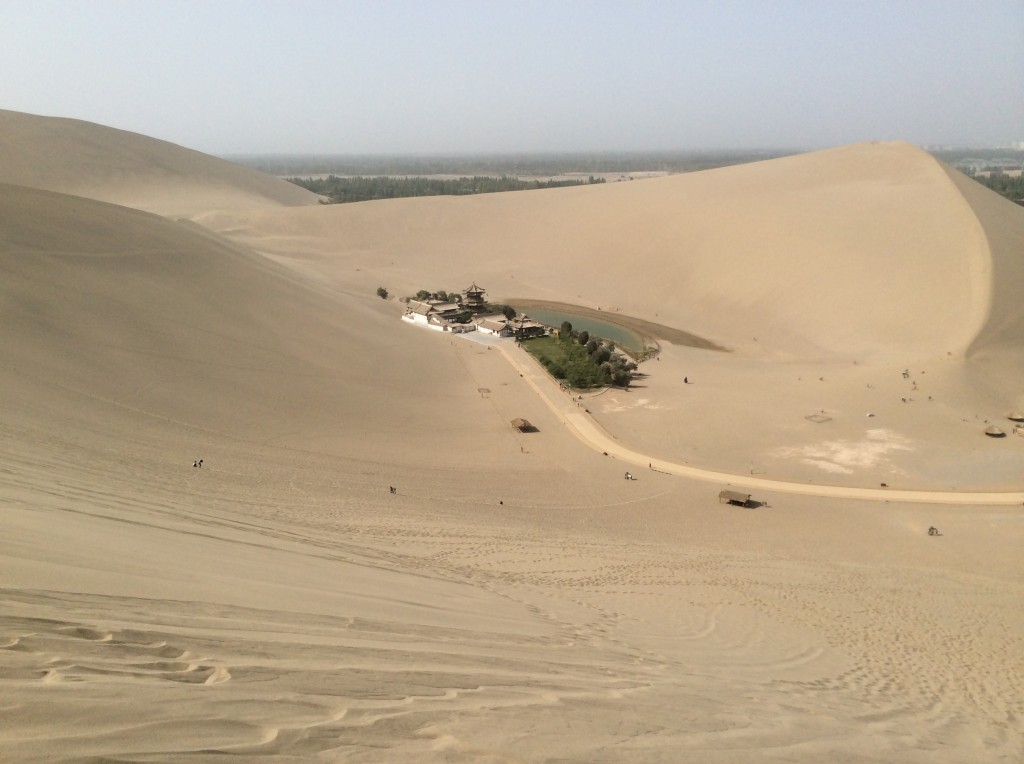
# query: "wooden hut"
522 425
735 498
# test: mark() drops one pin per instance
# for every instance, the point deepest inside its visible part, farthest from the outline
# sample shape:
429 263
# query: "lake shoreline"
650 333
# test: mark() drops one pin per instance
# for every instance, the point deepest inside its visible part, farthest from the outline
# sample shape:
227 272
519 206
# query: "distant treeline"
496 165
360 189
979 159
1010 186
990 167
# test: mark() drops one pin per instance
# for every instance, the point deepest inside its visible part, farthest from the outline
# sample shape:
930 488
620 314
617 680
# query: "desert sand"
516 599
97 162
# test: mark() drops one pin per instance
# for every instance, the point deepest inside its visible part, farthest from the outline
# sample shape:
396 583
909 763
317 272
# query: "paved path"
583 426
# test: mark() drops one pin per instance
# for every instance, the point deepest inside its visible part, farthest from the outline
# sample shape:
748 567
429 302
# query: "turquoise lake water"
607 331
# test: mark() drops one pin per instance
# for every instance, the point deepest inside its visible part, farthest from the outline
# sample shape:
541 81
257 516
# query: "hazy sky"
437 76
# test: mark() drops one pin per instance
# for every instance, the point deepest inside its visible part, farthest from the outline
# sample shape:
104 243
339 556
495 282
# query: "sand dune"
98 162
147 316
1003 226
835 254
516 600
827 274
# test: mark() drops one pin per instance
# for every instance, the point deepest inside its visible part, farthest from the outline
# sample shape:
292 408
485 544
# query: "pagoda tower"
473 299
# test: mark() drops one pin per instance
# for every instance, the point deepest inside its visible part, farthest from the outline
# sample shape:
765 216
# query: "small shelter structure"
522 425
994 432
1015 416
735 498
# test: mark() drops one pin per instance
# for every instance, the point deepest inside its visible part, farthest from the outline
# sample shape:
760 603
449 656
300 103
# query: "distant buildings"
524 327
521 328
437 315
497 325
470 315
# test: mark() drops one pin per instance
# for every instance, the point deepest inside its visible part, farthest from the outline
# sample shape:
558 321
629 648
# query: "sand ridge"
837 255
99 162
515 599
824 273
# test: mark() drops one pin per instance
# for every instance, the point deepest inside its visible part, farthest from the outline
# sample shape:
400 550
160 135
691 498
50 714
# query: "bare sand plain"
516 599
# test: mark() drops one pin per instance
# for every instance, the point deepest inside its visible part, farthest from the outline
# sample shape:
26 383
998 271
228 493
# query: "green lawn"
567 361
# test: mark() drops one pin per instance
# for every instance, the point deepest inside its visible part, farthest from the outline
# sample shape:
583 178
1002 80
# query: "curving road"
592 434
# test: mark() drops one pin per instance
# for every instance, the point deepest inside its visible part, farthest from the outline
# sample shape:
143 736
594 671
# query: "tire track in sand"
592 434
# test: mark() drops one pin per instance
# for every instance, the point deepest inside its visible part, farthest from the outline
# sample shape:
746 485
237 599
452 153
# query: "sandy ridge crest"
121 167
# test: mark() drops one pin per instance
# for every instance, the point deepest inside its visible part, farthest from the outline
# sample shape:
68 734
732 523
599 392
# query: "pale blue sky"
454 77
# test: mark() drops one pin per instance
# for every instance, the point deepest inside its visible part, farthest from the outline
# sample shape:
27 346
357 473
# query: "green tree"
579 378
566 330
621 377
509 312
382 293
583 337
423 294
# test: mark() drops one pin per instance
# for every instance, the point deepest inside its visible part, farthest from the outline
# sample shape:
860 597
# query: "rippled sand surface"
514 599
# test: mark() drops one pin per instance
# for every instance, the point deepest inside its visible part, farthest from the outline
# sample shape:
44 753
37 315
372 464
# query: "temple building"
525 327
473 299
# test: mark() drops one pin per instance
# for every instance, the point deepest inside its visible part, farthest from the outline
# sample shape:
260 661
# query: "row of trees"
360 189
589 361
440 294
543 164
1010 186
